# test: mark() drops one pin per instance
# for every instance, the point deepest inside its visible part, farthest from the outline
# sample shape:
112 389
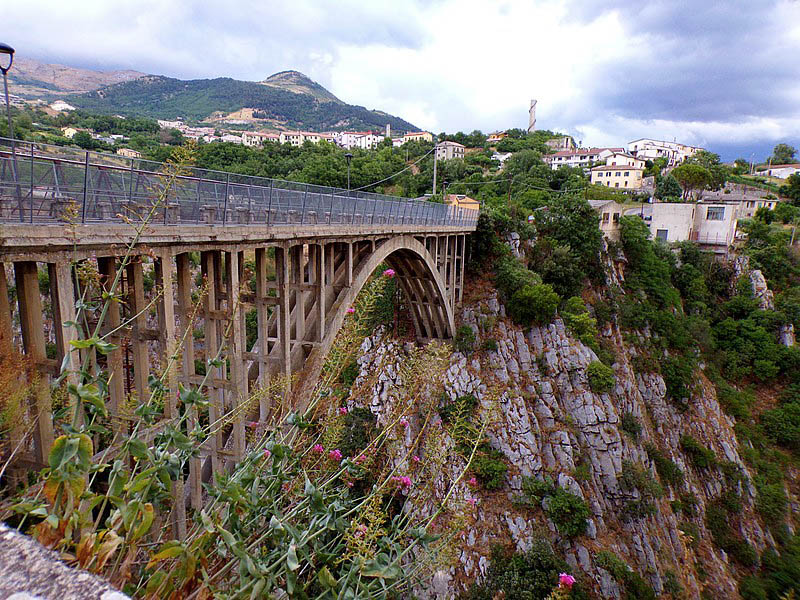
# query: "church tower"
532 117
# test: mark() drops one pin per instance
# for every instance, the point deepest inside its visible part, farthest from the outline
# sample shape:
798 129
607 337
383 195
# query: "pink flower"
348 483
318 448
389 273
472 482
360 458
335 455
251 424
342 410
472 502
351 310
565 580
404 422
403 482
415 458
267 453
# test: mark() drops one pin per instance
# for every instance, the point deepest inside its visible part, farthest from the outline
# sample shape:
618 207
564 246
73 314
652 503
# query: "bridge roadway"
312 250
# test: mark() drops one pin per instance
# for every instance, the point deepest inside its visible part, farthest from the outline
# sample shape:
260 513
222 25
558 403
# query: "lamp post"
348 157
8 51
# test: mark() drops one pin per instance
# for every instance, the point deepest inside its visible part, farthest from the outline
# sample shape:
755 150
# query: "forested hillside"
168 98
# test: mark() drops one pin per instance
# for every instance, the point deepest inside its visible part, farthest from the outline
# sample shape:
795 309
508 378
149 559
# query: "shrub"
461 407
569 513
751 588
669 472
636 588
601 377
765 369
349 374
534 304
718 523
678 373
511 275
782 424
535 490
644 363
531 575
637 478
630 424
358 431
771 502
490 468
490 345
700 456
577 318
465 339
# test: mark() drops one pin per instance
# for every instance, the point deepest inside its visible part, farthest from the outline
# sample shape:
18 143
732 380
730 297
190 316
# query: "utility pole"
435 158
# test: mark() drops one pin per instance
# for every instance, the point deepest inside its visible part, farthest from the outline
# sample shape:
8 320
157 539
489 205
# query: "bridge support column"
107 266
32 324
262 313
284 320
209 264
239 391
6 332
138 313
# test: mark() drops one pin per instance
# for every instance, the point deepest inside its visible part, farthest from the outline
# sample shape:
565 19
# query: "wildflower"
342 410
351 310
267 453
404 422
472 482
415 458
472 502
389 273
348 484
251 424
318 448
360 458
361 530
335 455
565 580
402 481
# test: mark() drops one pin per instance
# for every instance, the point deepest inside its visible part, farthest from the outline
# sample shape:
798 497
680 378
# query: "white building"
623 159
710 224
368 141
60 105
650 149
449 150
582 157
170 124
233 139
257 139
780 171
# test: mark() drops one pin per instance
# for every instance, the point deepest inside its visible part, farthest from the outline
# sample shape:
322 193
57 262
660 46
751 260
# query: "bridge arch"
423 284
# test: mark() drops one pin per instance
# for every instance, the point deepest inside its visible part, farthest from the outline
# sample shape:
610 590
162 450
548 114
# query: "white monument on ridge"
532 117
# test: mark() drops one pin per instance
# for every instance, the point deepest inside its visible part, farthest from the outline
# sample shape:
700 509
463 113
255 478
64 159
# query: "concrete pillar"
107 266
262 313
138 307
210 262
32 324
165 279
6 332
238 374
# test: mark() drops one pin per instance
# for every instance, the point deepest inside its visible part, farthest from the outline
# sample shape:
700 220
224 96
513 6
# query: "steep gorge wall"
546 420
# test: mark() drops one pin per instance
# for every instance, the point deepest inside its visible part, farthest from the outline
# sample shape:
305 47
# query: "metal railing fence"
43 183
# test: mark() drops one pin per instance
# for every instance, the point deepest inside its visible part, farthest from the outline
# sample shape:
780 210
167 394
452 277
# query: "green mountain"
287 99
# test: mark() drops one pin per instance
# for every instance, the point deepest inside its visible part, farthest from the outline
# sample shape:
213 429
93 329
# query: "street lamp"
348 157
7 53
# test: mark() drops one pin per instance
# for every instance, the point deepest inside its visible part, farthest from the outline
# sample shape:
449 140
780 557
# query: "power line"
395 174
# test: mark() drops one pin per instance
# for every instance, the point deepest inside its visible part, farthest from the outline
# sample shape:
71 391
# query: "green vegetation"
490 467
167 98
643 491
601 377
700 456
635 587
566 510
669 472
630 424
465 339
530 575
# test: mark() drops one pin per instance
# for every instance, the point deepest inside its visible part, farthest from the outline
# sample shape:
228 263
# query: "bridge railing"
44 183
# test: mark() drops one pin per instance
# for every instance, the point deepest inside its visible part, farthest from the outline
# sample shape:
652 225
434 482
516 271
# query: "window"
617 174
662 234
715 213
627 173
616 217
616 184
605 217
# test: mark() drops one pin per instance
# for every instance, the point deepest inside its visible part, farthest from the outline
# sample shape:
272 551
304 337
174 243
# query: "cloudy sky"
722 74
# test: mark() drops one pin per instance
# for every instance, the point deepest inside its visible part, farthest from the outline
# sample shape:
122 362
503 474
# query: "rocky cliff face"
546 420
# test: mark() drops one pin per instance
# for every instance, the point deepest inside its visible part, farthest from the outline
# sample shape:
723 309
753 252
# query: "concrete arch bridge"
312 250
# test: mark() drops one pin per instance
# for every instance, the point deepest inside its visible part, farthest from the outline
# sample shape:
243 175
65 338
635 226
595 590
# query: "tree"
792 189
741 166
668 189
691 177
84 140
783 154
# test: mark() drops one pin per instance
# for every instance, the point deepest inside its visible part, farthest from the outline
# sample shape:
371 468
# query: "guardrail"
43 183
